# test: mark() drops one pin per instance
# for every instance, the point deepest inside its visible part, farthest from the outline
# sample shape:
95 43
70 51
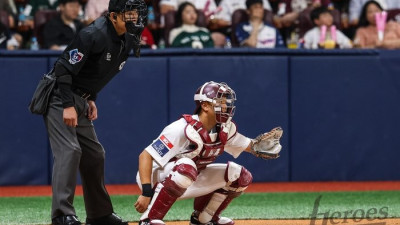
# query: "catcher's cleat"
194 220
66 220
112 219
151 222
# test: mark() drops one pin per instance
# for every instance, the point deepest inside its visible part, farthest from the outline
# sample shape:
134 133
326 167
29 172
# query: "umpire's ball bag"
41 96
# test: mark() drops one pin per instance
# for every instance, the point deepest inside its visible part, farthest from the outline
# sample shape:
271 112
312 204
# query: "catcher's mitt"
267 145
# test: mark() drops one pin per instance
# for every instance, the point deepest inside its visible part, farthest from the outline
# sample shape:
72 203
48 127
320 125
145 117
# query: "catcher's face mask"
224 106
221 96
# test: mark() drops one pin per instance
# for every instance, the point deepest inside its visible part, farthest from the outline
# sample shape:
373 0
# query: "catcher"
179 163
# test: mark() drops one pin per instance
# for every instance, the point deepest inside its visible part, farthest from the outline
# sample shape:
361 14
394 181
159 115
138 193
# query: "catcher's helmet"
222 97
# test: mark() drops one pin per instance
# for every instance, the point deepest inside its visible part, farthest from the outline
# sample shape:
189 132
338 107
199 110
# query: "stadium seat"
4 18
394 14
240 16
156 8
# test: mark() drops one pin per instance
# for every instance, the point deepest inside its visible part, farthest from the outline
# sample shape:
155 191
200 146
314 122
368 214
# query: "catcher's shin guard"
210 206
181 177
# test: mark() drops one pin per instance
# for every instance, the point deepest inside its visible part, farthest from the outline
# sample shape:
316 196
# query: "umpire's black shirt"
91 60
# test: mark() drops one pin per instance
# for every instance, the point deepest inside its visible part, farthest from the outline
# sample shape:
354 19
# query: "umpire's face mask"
133 29
133 22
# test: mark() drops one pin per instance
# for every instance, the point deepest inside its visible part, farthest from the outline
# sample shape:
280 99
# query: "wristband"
147 191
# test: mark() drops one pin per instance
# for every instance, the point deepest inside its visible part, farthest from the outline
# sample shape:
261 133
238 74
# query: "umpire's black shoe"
66 220
111 219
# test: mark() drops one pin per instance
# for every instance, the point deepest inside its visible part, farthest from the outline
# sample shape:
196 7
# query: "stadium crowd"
312 24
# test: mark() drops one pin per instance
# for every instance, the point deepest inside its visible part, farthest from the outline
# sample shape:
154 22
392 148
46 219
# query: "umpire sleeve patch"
75 56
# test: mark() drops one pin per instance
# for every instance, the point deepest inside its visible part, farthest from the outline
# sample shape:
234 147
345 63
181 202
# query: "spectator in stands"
222 18
34 5
4 36
83 3
29 12
8 39
9 7
367 33
15 42
255 33
219 32
94 9
355 8
219 15
172 5
187 34
230 6
59 32
209 7
324 34
288 11
147 40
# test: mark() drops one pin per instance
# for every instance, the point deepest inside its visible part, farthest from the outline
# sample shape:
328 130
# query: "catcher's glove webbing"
267 145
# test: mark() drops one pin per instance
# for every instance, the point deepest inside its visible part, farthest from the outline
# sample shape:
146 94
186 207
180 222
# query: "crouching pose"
179 163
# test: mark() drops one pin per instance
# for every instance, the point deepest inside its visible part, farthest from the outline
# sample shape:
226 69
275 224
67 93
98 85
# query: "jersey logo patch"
166 141
162 145
75 56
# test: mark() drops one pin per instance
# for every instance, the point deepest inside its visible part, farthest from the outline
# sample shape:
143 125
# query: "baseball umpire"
91 60
184 153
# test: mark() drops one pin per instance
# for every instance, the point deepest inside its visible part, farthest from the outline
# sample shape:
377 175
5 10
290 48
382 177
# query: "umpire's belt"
82 94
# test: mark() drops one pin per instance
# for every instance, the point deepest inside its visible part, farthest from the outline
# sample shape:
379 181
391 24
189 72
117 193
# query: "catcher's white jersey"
172 141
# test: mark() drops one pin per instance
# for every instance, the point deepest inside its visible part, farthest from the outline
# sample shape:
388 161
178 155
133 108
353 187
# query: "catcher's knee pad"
237 177
184 172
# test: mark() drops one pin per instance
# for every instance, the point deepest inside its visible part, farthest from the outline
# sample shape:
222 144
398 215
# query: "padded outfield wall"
339 111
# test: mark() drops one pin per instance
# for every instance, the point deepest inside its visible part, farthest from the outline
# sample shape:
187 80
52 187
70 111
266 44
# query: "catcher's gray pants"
73 149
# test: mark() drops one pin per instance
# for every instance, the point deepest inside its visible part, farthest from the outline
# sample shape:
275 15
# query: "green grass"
36 210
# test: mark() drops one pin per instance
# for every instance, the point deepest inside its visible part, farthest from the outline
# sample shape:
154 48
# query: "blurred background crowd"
311 24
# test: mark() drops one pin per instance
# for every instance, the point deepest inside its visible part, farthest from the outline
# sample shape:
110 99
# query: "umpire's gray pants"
76 148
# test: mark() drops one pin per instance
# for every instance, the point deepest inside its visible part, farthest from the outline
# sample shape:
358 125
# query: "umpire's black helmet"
127 5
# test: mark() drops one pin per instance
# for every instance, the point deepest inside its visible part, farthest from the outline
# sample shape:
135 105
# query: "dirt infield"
299 222
19 191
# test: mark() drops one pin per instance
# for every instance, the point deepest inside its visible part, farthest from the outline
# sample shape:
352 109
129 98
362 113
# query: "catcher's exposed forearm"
145 167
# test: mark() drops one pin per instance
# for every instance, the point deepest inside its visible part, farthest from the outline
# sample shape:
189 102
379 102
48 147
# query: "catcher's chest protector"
210 150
